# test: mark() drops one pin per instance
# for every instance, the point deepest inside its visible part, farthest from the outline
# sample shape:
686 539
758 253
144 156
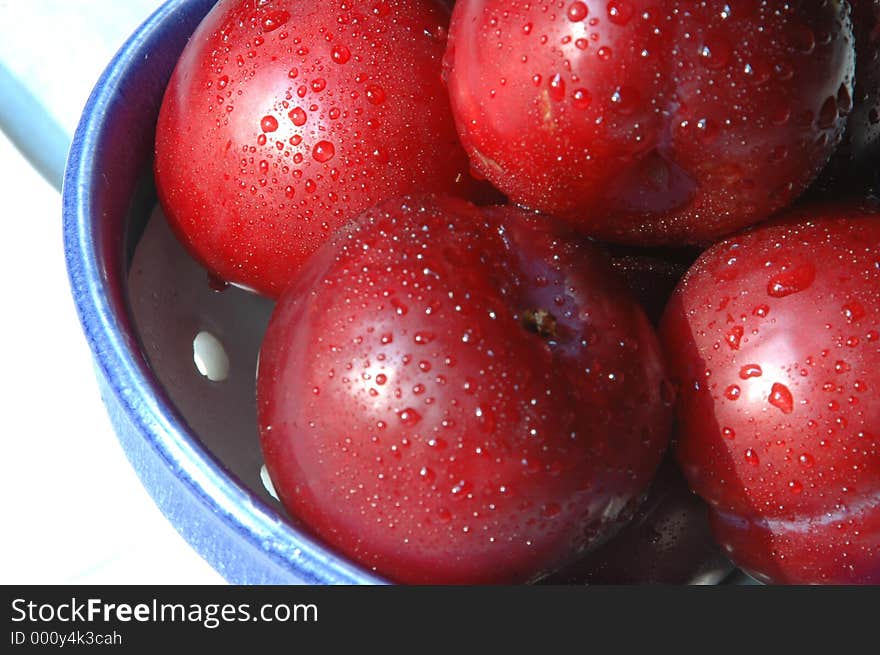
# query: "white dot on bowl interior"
267 482
210 357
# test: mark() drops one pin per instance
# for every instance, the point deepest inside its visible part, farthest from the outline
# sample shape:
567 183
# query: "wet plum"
651 121
284 119
450 394
774 338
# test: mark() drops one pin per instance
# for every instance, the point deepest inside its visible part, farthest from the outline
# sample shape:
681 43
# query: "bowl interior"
201 338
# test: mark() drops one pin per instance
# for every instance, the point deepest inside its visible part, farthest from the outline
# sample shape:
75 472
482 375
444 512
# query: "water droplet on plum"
781 398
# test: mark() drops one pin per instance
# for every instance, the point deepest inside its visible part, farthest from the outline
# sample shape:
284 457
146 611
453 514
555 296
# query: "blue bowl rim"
130 379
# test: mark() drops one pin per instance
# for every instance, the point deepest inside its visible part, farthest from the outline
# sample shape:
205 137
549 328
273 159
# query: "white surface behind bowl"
73 509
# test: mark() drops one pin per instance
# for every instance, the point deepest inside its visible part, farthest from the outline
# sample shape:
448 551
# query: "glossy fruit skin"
284 119
651 122
668 541
456 395
774 338
853 167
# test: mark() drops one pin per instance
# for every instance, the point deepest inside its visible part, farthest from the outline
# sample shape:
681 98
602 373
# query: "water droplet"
734 336
625 99
784 71
423 338
800 37
792 280
269 123
381 379
795 487
461 489
707 130
752 457
732 392
557 88
807 460
853 311
581 98
318 84
750 371
409 416
728 433
340 54
216 283
323 151
828 113
487 419
715 52
375 94
297 116
577 11
272 20
781 398
399 308
620 12
844 100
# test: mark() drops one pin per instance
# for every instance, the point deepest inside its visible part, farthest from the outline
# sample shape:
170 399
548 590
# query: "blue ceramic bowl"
235 529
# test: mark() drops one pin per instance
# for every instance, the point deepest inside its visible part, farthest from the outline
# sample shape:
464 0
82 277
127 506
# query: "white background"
73 510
